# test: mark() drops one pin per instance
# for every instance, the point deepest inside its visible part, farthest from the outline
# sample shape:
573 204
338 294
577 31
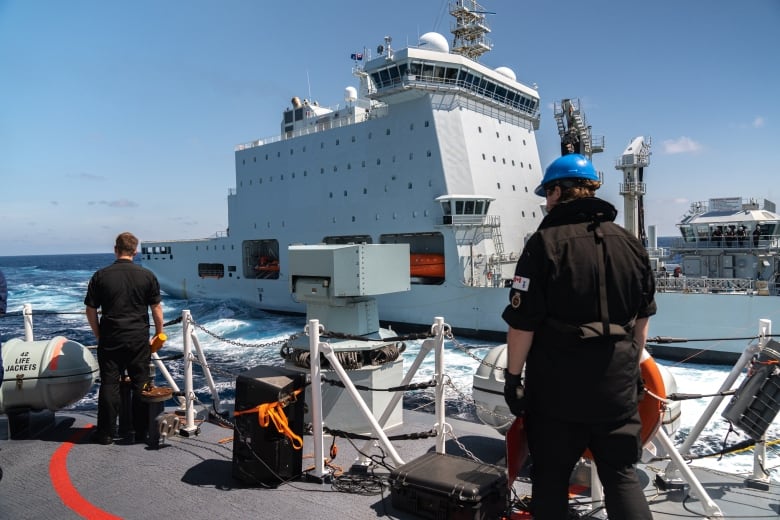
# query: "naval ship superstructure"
435 150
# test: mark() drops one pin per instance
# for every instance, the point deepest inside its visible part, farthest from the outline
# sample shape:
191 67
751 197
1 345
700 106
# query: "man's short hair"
126 243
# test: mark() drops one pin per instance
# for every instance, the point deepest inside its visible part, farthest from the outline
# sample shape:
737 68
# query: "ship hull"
708 328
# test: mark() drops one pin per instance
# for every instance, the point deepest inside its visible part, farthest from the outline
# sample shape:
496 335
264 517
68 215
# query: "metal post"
207 373
28 322
349 386
440 412
313 330
425 348
189 392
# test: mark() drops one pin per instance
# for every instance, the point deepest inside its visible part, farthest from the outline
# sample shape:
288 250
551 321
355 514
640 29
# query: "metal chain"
277 343
470 400
449 336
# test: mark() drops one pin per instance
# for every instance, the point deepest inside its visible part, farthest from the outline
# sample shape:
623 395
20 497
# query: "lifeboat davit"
45 375
426 265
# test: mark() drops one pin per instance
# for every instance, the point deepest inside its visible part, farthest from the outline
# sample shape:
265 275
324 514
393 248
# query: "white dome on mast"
434 41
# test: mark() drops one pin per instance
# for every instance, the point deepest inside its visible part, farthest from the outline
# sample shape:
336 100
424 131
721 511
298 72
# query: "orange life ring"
650 409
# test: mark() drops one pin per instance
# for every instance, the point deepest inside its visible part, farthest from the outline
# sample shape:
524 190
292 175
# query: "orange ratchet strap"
268 412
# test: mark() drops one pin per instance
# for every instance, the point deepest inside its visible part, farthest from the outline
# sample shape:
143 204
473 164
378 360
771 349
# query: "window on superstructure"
427 123
322 171
266 157
363 164
278 154
243 161
411 155
513 162
353 138
498 185
429 153
345 193
378 161
498 136
503 160
291 151
335 168
427 71
365 191
387 132
494 158
409 186
484 157
415 68
337 142
330 195
394 74
411 126
369 135
479 129
322 145
384 77
509 138
349 166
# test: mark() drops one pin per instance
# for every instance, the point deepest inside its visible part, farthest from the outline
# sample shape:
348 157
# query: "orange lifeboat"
265 265
426 265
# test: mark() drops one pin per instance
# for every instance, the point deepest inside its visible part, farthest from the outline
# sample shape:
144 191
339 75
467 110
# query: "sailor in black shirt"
578 316
125 292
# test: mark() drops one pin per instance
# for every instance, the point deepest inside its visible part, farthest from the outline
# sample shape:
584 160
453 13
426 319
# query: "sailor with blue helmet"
578 316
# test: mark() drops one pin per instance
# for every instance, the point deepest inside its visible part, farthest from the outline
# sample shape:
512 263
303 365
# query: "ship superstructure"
434 149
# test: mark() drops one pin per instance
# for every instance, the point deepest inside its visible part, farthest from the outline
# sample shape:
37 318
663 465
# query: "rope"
274 412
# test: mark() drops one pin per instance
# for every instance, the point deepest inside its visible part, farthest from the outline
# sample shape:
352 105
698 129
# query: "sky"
124 116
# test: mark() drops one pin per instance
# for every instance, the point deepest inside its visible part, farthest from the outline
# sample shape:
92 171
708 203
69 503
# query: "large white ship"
435 150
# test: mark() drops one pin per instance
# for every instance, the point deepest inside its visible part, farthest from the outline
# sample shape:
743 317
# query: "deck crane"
632 163
576 137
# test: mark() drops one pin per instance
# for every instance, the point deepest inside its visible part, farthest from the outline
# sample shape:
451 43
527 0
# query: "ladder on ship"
493 223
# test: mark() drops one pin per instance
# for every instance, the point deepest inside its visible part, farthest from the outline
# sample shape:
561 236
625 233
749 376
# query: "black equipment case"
445 487
263 455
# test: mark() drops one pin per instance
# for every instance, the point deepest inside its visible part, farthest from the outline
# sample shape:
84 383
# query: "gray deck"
191 477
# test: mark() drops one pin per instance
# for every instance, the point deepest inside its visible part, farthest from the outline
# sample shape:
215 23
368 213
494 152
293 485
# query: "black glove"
514 393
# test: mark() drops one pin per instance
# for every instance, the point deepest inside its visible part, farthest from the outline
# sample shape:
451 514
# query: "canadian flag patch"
521 283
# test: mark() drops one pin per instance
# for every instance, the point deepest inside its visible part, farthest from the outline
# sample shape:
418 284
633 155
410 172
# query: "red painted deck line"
60 479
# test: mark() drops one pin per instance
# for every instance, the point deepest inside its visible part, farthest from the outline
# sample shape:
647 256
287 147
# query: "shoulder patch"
516 300
521 283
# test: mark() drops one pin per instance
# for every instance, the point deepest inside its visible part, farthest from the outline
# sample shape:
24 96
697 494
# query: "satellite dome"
506 71
435 42
350 94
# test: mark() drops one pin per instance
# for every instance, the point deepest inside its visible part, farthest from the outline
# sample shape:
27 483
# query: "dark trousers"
113 365
555 448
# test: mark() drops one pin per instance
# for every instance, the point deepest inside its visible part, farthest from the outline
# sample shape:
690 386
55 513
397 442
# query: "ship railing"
666 282
439 331
375 112
771 242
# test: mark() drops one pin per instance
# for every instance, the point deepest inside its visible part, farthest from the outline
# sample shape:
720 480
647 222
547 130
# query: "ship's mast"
470 29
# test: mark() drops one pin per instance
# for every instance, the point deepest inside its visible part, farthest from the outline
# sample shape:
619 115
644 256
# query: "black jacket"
557 289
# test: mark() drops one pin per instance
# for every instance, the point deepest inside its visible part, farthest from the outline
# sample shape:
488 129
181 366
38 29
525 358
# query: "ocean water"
240 337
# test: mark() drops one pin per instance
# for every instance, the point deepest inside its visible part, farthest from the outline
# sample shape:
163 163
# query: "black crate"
445 487
263 455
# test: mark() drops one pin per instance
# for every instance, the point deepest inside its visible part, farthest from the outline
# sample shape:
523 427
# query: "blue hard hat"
571 166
